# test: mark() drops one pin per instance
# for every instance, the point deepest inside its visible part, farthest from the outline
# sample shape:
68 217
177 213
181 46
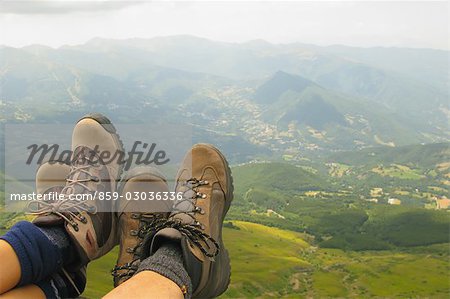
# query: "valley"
298 102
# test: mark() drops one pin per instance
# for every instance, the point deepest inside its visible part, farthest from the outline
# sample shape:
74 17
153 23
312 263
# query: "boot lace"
145 222
194 230
67 207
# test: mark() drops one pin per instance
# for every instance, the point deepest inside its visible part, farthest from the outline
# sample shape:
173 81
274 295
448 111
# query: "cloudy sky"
55 23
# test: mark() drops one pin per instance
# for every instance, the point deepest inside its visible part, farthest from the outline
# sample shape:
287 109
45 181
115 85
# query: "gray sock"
168 261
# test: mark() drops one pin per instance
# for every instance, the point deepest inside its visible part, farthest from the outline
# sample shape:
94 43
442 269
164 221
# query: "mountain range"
285 100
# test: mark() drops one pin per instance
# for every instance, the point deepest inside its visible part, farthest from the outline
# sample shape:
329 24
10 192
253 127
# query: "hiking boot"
205 182
90 222
51 178
137 216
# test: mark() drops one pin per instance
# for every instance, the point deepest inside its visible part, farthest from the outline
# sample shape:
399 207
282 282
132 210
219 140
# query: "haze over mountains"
270 100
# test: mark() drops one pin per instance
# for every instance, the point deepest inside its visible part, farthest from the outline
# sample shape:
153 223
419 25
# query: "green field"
398 171
271 263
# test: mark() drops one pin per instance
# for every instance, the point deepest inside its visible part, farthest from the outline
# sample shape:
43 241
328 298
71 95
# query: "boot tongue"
167 234
184 218
185 206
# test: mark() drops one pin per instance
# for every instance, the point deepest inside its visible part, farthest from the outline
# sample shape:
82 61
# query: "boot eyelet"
75 227
201 195
135 216
130 250
199 210
133 233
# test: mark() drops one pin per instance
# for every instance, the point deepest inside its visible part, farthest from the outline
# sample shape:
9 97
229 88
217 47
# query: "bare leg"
29 291
10 270
146 284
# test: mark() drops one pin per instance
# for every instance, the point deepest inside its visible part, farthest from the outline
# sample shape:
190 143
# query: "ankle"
168 262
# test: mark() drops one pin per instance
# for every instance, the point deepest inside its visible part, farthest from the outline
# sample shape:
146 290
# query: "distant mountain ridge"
292 100
278 97
279 84
425 156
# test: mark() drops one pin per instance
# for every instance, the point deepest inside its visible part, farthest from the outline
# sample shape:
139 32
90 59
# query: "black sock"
59 237
64 284
168 261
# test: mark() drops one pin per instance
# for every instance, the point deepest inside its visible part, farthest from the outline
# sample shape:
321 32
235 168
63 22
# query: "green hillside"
271 263
309 235
275 176
329 119
336 210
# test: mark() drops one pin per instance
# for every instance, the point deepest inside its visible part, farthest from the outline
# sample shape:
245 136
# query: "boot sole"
229 198
230 186
108 126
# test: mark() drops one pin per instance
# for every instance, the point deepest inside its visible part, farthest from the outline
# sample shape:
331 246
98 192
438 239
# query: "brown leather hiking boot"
205 181
90 222
51 178
137 216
